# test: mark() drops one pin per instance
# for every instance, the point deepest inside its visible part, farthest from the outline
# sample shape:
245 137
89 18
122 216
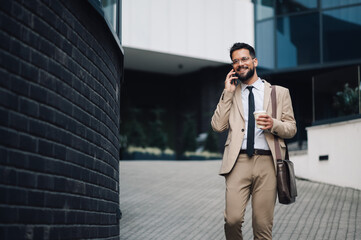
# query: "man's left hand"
266 121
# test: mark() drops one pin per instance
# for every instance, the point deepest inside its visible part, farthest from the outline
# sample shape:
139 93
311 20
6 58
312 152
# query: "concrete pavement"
185 200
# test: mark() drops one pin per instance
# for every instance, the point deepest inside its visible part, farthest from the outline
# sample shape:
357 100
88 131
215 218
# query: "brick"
45 147
20 13
19 85
27 179
53 134
10 26
17 159
45 182
17 121
9 138
15 232
61 119
65 91
67 46
59 152
55 200
29 72
8 176
45 47
60 184
76 203
59 217
39 233
82 101
55 68
19 49
67 107
46 113
8 99
30 38
33 7
40 60
37 127
36 199
47 80
41 27
46 14
6 6
81 116
10 63
36 163
4 78
3 155
3 192
28 215
38 93
4 117
28 107
28 143
16 196
67 76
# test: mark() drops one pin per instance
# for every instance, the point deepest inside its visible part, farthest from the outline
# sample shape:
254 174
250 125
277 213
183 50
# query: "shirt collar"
257 85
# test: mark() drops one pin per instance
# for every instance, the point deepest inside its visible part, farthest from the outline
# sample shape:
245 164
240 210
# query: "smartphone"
235 81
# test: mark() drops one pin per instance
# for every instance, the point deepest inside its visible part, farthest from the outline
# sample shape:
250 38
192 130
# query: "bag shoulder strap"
274 115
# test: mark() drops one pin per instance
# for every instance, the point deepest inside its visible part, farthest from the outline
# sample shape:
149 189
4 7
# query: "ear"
255 62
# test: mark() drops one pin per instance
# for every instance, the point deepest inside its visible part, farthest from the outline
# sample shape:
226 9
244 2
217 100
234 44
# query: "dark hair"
238 46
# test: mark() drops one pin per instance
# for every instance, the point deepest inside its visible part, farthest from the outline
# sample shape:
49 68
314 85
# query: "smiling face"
244 65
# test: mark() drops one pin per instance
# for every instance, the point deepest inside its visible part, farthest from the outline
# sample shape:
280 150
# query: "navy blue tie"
251 123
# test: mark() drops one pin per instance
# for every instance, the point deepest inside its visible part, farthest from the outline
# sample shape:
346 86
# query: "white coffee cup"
256 114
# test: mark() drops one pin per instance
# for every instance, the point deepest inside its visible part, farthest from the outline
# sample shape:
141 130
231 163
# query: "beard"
247 76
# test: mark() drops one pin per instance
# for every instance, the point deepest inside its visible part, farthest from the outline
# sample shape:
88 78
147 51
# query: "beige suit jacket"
229 115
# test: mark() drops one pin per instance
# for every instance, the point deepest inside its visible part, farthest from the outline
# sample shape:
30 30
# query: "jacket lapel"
238 96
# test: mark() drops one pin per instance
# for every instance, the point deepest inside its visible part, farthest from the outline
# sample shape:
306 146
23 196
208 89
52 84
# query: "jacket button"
242 130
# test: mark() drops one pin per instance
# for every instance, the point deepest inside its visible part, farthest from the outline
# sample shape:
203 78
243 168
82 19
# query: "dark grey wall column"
60 79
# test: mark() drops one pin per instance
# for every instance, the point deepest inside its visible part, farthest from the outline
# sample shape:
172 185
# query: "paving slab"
166 200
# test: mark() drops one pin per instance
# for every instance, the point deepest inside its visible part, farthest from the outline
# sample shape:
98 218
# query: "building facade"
176 59
314 46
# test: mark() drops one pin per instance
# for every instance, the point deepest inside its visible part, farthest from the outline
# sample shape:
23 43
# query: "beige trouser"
250 176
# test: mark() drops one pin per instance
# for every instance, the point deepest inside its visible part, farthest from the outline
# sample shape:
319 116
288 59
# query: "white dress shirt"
258 92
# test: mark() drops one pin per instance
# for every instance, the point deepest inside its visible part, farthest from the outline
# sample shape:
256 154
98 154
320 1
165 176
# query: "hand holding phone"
231 81
235 81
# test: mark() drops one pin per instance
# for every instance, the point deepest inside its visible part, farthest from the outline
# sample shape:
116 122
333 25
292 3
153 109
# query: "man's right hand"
228 83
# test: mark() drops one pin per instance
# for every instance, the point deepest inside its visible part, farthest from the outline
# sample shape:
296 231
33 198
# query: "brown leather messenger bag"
286 179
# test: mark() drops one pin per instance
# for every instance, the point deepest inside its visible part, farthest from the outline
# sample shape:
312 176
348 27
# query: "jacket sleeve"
220 118
285 127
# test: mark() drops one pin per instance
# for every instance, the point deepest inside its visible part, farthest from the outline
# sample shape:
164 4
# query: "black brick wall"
60 76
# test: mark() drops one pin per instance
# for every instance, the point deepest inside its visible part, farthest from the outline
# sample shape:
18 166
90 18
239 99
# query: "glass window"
342 34
336 94
264 9
336 3
298 40
289 6
265 44
110 12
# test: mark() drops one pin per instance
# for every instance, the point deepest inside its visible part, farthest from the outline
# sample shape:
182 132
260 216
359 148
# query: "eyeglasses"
242 60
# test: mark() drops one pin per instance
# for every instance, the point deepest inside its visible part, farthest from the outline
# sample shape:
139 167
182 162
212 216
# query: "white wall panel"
160 25
178 22
196 28
203 29
341 143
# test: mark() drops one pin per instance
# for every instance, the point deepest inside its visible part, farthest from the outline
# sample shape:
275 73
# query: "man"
249 163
